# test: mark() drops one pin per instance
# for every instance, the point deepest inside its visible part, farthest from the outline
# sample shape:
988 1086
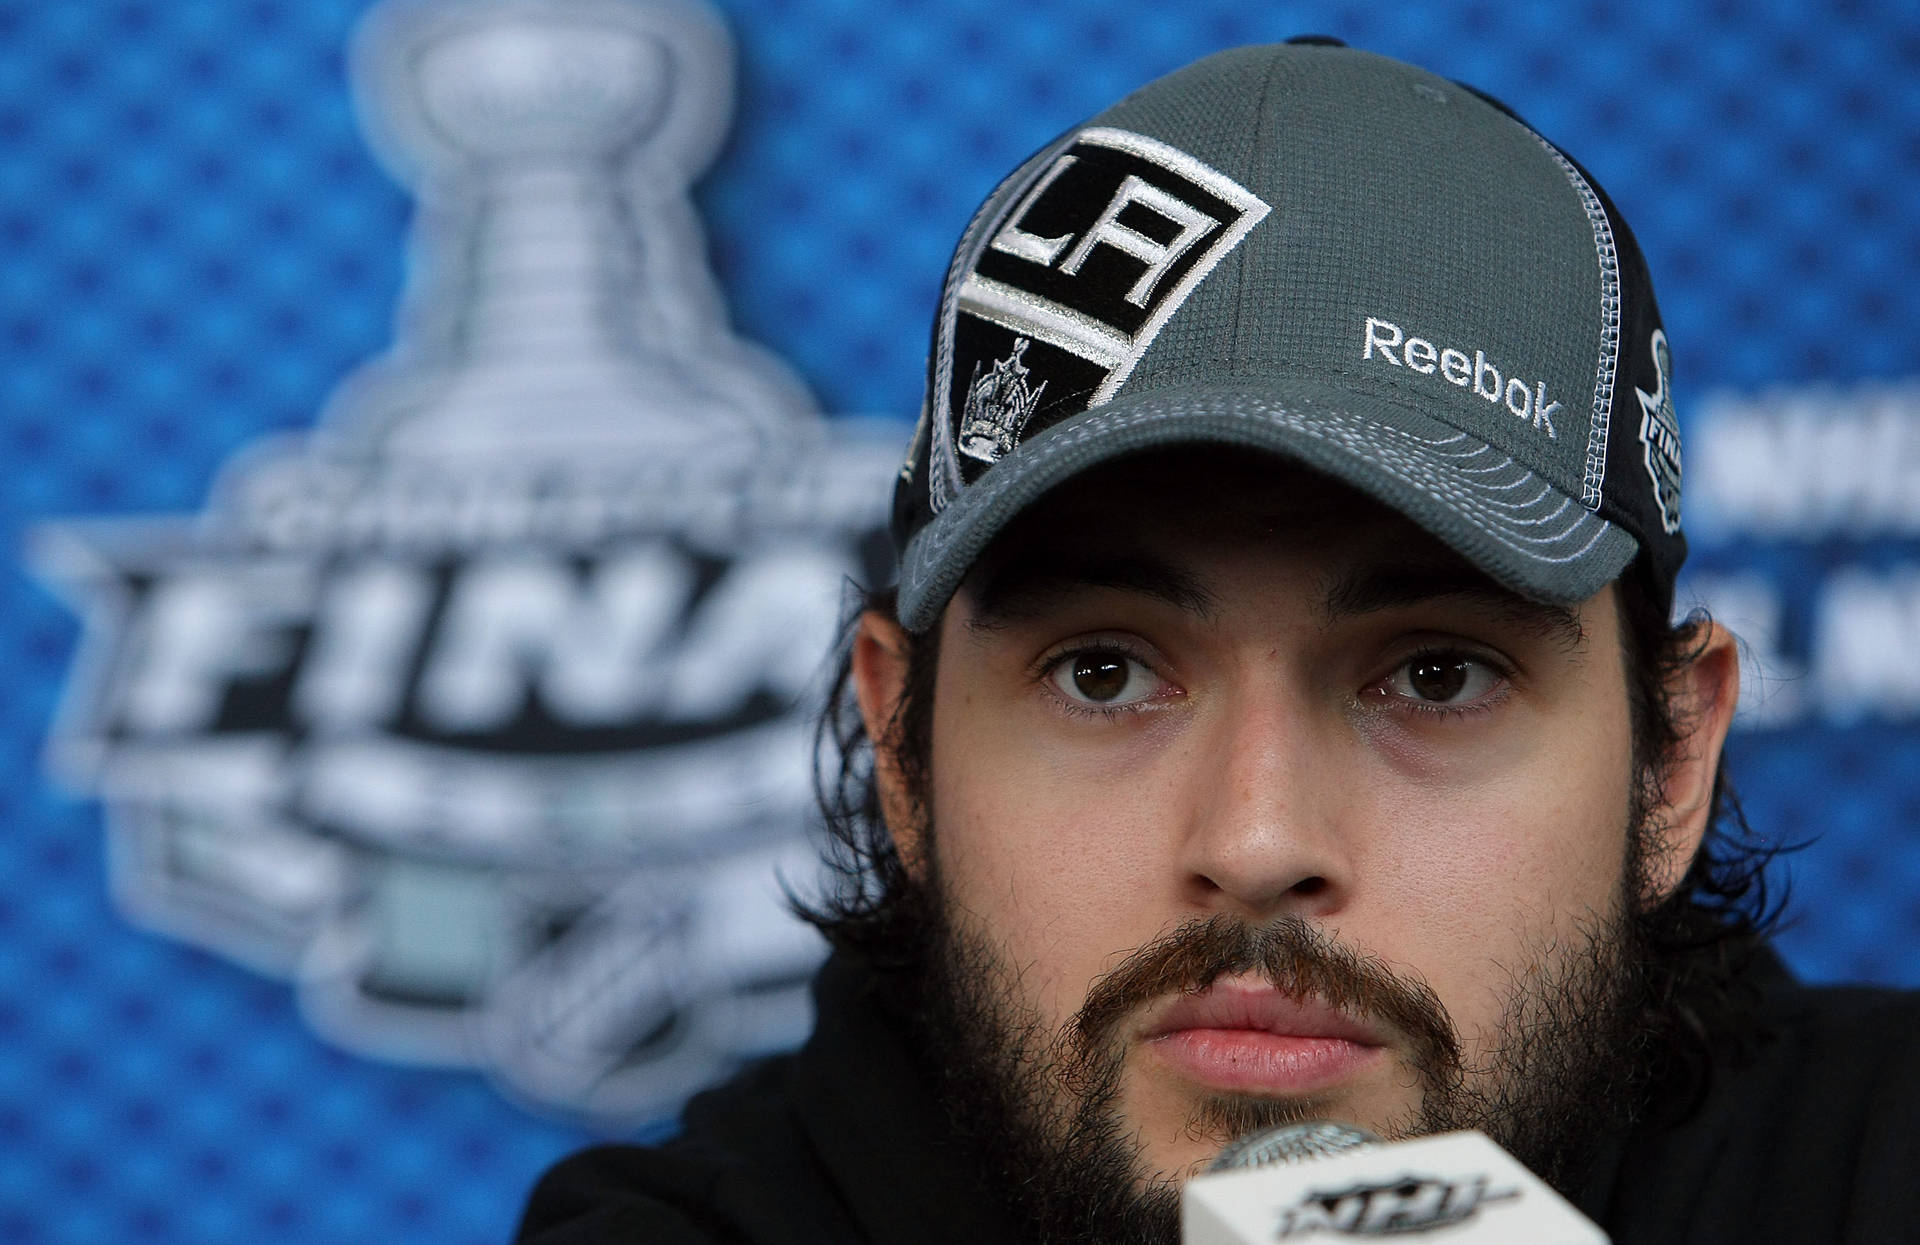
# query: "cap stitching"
926 551
1609 260
1404 467
1256 143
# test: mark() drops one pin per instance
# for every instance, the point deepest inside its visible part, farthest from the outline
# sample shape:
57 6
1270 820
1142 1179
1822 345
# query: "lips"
1250 1037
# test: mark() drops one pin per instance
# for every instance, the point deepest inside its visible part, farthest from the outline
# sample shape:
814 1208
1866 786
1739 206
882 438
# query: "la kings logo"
481 713
1063 281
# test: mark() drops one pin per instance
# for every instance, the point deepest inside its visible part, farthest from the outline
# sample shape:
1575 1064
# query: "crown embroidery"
998 406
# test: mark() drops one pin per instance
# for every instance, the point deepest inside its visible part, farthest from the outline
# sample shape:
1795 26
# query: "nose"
1265 834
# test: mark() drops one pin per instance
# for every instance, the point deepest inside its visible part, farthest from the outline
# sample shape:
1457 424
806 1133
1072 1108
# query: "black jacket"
1813 1137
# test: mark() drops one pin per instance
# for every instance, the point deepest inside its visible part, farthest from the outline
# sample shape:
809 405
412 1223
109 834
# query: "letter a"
1159 257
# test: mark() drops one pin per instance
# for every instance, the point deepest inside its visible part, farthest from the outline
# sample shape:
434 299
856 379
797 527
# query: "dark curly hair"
1699 938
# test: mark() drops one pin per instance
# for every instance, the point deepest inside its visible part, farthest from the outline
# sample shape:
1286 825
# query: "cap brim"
1502 517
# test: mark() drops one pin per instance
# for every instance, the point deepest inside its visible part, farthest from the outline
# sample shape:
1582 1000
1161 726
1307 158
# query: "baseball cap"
1307 250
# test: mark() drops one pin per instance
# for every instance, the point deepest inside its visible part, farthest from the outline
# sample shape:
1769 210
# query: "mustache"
1296 958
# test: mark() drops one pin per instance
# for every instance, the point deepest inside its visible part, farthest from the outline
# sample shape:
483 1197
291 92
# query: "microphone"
1323 1180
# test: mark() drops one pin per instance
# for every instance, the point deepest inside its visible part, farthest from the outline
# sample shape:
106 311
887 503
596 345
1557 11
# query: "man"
1278 717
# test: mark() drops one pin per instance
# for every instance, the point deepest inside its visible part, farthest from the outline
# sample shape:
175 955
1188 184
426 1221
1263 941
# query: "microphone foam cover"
1292 1143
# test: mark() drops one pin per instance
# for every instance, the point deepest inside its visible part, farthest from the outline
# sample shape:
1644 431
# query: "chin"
1183 1143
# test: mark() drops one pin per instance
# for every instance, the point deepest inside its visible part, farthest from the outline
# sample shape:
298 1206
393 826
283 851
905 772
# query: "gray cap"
1312 251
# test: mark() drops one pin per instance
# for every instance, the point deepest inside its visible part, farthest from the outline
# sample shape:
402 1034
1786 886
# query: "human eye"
1444 680
1103 678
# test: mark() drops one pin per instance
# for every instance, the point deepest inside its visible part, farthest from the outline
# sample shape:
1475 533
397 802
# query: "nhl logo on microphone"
1390 1208
1457 1187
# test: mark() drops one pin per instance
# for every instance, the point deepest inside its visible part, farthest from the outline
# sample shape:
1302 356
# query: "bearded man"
1278 716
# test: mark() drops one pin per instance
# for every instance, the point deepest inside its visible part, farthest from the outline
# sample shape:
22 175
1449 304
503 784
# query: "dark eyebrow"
1371 589
1022 584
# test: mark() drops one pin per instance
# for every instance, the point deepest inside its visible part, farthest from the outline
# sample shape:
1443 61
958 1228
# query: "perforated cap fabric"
1307 250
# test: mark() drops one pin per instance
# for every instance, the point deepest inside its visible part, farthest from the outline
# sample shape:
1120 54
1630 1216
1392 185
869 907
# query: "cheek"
1060 870
1486 874
1512 847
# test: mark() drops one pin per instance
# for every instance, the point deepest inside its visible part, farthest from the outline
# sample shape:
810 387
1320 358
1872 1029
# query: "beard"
1038 1107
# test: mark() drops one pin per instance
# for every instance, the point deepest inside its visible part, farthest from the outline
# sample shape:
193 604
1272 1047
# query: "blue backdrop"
196 244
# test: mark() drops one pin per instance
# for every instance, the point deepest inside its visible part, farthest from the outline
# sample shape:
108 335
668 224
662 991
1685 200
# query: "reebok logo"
1387 341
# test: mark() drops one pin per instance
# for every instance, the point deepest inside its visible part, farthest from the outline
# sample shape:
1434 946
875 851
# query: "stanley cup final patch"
1660 436
1056 295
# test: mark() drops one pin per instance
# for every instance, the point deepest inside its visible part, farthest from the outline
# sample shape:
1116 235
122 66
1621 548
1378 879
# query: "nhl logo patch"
1062 283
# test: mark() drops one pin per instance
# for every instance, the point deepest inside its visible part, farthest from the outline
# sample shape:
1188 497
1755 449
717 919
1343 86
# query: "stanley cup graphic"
563 301
482 713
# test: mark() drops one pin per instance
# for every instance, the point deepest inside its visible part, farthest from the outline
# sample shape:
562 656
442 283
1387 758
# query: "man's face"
1204 706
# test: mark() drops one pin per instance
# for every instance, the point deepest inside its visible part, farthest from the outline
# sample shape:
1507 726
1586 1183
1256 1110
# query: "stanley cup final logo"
483 713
